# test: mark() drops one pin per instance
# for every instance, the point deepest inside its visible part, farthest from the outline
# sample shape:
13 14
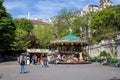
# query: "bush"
97 59
100 60
93 59
113 60
105 54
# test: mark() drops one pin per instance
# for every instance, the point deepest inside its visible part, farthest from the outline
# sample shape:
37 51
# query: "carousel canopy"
69 38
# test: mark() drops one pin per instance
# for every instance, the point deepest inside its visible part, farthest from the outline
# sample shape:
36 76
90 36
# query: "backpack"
22 63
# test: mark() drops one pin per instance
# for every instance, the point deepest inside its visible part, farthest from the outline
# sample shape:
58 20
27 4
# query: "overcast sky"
45 8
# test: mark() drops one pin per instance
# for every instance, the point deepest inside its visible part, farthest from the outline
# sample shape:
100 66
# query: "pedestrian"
20 58
38 62
42 62
22 66
33 59
28 60
45 62
55 60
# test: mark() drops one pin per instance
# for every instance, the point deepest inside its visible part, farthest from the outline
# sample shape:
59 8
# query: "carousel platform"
75 62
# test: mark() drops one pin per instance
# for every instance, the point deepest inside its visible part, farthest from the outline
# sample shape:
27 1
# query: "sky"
45 8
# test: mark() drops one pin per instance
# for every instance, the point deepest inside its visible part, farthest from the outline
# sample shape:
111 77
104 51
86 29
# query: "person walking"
45 62
33 59
22 66
55 60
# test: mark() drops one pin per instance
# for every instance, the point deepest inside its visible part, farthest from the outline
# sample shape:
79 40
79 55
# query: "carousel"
71 49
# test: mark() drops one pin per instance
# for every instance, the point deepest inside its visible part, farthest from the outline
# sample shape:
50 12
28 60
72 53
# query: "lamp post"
88 36
91 10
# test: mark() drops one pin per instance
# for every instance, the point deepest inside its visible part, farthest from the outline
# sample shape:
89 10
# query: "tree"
117 9
63 22
43 34
7 29
21 42
24 24
81 24
69 19
106 25
22 38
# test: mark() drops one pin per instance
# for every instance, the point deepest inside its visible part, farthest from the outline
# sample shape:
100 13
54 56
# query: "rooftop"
38 22
70 36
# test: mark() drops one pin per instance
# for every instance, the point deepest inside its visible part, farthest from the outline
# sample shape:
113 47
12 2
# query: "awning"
38 50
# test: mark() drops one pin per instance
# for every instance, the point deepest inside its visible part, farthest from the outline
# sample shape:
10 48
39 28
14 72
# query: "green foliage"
105 55
20 43
68 19
113 60
43 34
24 24
117 9
7 29
93 59
79 25
105 23
63 22
23 28
97 59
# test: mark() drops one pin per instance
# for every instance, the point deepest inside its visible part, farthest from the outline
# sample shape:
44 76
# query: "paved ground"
94 71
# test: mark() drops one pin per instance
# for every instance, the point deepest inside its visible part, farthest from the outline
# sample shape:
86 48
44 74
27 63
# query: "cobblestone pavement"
94 71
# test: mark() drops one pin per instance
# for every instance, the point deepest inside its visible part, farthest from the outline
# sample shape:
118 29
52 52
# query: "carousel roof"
69 38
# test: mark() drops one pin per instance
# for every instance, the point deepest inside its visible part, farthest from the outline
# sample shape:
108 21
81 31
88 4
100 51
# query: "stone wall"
117 40
95 50
104 46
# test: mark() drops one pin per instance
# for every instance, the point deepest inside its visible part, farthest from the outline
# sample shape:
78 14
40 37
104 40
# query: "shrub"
100 60
93 59
113 60
105 54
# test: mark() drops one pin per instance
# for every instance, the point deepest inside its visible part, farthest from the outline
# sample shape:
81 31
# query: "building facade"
94 8
105 3
90 8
